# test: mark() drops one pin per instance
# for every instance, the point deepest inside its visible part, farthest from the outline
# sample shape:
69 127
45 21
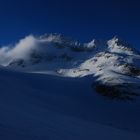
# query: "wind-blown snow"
20 50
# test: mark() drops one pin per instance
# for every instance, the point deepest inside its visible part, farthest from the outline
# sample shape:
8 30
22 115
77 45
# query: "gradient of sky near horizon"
80 19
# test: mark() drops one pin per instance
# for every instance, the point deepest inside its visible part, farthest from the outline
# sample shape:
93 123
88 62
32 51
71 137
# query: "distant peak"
52 36
118 41
96 43
116 37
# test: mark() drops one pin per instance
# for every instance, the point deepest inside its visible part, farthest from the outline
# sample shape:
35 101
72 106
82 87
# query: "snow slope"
38 107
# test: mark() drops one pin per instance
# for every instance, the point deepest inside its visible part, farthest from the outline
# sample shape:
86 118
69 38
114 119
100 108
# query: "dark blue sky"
81 19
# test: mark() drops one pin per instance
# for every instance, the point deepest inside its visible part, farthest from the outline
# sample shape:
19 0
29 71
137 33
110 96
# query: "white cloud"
21 50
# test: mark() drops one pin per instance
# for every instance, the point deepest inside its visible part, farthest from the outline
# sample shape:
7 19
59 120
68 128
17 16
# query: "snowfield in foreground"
38 107
55 88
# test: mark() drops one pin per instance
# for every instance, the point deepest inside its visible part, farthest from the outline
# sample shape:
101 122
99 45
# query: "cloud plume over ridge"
21 50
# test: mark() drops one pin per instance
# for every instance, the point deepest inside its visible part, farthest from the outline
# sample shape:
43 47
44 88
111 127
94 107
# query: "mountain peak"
118 45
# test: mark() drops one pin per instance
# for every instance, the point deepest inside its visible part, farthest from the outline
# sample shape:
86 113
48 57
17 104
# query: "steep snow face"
114 64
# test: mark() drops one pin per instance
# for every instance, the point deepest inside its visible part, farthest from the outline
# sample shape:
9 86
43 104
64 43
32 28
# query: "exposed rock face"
117 92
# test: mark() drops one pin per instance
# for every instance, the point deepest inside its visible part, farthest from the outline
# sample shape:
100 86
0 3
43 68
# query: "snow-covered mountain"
51 86
114 64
